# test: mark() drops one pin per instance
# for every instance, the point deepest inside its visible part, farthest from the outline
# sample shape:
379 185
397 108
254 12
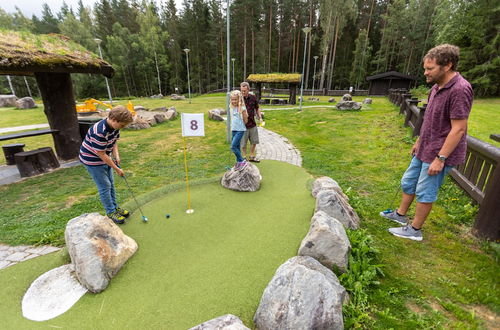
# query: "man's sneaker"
407 232
123 212
392 215
116 217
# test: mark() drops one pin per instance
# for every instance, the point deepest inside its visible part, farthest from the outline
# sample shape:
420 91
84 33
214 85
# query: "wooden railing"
479 176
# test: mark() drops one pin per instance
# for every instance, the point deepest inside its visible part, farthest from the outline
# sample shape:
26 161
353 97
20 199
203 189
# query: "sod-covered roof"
24 53
275 78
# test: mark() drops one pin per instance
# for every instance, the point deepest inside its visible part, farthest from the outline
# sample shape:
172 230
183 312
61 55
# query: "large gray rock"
171 114
247 179
303 294
215 114
98 249
139 123
326 242
147 116
331 100
367 101
347 97
26 103
140 108
348 105
160 117
160 109
336 206
224 322
8 100
325 183
157 96
176 97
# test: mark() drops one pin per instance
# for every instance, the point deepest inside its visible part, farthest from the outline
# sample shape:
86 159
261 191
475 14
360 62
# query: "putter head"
387 211
144 219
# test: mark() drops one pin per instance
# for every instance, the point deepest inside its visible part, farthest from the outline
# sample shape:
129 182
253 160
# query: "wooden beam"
59 103
26 70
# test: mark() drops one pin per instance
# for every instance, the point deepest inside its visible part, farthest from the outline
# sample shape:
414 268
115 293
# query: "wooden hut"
51 59
382 82
292 79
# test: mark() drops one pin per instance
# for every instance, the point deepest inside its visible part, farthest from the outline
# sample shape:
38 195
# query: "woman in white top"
239 117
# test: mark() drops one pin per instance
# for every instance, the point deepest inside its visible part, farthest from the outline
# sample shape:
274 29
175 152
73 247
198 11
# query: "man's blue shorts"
417 181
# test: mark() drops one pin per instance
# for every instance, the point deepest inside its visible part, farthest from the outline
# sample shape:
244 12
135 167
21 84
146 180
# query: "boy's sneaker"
123 212
407 232
392 215
242 165
116 217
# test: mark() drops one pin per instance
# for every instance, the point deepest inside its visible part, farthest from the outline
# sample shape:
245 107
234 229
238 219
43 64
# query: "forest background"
352 39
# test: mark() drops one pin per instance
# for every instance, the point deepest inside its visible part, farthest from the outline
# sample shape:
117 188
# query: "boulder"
347 97
367 101
159 117
26 103
326 242
215 115
8 100
160 109
303 294
139 123
140 108
171 114
336 206
348 105
225 322
247 179
98 249
331 100
176 97
147 117
326 183
313 99
157 96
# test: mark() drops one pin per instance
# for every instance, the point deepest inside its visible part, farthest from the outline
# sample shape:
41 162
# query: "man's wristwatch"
441 158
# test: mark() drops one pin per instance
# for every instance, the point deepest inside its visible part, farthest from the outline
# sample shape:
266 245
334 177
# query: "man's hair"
245 84
444 54
121 115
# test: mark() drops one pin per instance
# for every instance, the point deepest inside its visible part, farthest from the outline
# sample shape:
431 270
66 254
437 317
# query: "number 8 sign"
192 124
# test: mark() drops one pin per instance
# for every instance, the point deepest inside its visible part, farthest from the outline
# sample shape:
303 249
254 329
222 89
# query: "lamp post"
98 42
228 77
232 60
314 72
306 30
186 50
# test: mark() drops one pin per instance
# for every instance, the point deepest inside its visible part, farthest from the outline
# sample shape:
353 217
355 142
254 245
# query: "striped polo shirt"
100 137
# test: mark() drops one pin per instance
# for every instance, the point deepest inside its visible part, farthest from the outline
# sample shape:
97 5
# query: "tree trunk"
253 46
59 107
334 52
245 52
270 34
309 43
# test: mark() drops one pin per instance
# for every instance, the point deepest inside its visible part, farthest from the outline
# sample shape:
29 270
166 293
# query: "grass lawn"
450 280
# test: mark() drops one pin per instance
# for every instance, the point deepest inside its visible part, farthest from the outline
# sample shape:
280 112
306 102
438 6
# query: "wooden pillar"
59 103
293 93
259 91
488 217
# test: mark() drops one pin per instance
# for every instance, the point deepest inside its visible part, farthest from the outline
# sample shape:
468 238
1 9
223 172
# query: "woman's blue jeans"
103 178
235 144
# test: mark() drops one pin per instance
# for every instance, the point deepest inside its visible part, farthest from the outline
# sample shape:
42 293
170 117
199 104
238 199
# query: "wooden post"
488 217
259 92
293 93
59 103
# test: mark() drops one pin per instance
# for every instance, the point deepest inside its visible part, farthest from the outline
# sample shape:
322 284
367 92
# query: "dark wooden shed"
51 59
382 82
292 79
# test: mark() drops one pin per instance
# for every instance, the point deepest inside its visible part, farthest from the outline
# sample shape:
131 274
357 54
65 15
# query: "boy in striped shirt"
100 142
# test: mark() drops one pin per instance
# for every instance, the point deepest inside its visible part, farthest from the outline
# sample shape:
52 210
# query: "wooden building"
51 59
382 82
292 79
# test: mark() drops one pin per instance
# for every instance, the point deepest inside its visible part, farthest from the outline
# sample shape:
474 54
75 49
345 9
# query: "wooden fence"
317 92
479 176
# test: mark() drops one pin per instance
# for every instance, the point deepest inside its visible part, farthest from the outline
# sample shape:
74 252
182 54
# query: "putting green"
189 268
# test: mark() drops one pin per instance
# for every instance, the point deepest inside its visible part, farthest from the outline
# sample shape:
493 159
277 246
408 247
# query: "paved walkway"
276 147
22 128
272 146
11 255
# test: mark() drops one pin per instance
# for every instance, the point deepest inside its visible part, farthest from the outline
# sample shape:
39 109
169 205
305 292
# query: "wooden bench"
9 150
36 161
28 134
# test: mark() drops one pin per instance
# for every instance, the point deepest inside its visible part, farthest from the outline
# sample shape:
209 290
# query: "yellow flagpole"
189 210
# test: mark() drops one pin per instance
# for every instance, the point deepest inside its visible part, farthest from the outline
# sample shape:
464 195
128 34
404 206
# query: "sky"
30 7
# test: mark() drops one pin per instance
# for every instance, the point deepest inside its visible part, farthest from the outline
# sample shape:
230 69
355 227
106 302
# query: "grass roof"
275 78
23 53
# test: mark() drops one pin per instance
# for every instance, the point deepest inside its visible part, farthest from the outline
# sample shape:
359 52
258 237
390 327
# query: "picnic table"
28 134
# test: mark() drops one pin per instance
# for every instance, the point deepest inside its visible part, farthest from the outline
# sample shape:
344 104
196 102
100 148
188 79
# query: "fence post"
420 120
411 103
488 217
402 106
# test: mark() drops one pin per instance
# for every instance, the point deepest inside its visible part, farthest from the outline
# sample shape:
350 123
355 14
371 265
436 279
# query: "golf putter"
144 218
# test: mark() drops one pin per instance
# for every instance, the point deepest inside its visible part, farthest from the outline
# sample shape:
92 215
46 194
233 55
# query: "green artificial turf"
191 267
